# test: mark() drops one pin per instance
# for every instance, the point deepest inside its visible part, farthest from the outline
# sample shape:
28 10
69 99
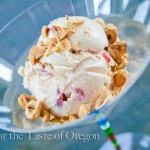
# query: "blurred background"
132 114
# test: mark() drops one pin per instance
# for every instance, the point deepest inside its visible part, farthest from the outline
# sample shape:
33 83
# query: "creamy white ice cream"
80 77
90 34
68 80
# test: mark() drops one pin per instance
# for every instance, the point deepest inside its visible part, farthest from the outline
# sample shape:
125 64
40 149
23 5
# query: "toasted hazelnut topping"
77 21
56 120
57 28
100 22
101 99
24 99
75 45
126 56
69 24
123 64
52 50
120 78
121 46
72 27
45 114
72 117
111 32
64 119
33 110
67 17
53 41
61 34
35 53
48 52
48 45
84 109
41 43
43 64
45 31
65 44
113 93
115 55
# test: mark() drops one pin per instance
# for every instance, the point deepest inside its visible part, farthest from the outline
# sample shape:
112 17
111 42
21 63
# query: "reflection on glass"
5 72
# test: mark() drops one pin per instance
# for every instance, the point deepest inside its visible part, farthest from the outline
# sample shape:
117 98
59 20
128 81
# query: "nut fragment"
43 64
24 99
72 27
100 22
52 50
77 21
33 110
67 17
45 114
35 53
65 44
57 28
115 55
53 41
72 117
75 45
64 119
45 31
123 64
41 43
120 78
101 99
61 34
111 32
121 46
56 120
84 109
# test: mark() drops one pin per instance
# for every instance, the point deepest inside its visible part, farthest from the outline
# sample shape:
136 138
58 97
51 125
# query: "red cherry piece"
61 98
106 56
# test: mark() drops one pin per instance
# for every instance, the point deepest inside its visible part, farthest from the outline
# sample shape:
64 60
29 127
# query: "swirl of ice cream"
64 80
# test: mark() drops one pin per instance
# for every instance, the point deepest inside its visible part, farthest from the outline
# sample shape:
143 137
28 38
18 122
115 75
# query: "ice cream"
72 67
89 34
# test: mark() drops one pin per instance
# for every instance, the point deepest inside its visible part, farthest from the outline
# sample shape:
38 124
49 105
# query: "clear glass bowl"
17 37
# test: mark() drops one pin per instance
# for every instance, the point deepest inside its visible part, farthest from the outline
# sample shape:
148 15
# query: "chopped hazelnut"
120 78
65 44
33 110
24 99
45 31
45 114
56 120
111 32
72 117
84 110
101 99
35 53
100 21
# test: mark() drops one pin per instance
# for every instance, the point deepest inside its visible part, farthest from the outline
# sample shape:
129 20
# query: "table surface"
133 109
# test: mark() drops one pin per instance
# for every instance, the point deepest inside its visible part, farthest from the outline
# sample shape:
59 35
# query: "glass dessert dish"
18 36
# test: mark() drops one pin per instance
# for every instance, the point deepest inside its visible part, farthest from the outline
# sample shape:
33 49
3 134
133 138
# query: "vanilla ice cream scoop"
67 81
89 35
69 66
